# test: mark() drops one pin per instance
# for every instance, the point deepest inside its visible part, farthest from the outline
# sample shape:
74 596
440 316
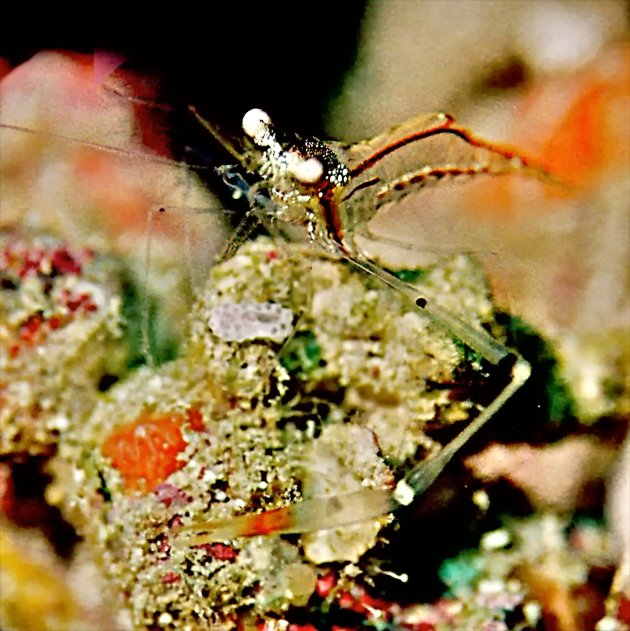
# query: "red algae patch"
61 331
145 452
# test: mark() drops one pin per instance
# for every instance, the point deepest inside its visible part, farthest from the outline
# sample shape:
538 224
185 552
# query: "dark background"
224 58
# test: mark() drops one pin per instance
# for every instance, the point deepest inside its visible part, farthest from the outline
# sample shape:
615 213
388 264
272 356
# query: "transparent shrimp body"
334 191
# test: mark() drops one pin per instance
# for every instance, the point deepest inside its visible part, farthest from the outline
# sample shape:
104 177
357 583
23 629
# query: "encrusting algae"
234 428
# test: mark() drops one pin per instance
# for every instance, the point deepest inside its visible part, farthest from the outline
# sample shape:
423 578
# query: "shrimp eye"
256 124
307 171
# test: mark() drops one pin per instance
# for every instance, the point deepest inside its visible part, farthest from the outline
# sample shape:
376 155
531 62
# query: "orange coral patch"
145 451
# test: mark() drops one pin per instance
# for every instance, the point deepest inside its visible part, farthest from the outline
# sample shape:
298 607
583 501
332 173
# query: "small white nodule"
403 493
307 171
255 123
242 321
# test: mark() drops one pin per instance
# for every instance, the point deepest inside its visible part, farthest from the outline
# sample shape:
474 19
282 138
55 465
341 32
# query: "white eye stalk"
256 124
307 171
